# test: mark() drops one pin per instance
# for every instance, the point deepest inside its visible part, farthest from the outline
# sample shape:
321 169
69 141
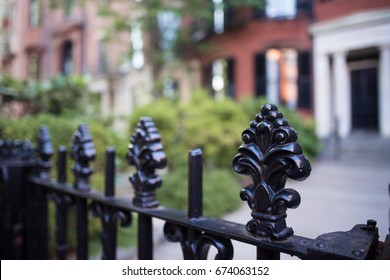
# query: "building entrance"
364 90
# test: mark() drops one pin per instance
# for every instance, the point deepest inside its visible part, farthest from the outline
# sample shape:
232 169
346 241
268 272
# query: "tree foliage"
56 96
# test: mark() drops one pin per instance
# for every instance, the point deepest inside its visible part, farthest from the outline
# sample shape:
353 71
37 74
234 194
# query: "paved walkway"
347 186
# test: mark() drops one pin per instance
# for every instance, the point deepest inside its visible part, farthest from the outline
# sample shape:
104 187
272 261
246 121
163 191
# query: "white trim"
362 19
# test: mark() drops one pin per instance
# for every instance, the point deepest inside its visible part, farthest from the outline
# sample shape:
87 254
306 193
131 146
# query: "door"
364 86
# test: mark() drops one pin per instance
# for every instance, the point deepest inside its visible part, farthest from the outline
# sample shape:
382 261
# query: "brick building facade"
310 55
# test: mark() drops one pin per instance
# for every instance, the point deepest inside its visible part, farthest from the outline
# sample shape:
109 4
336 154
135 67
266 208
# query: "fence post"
83 151
146 154
195 181
109 221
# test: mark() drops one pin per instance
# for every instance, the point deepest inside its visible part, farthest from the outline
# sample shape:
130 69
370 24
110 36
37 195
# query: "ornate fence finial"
146 154
269 155
45 152
15 149
83 151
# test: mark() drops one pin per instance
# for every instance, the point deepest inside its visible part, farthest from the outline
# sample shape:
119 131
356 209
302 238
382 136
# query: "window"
219 16
281 8
67 59
277 76
137 45
304 80
35 13
222 80
34 66
168 24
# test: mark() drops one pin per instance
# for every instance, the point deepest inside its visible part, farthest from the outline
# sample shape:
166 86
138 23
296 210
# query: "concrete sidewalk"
342 191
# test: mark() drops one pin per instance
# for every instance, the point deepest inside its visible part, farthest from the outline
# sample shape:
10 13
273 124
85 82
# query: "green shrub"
58 95
214 126
61 131
220 191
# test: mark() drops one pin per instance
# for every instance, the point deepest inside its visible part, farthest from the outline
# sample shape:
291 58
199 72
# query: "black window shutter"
304 80
230 91
207 76
260 75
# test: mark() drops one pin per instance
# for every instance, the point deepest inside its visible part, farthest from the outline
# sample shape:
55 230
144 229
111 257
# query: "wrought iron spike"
44 152
270 154
146 153
82 151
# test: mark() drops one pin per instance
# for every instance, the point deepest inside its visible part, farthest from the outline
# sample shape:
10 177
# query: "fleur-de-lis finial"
146 154
45 152
269 155
83 151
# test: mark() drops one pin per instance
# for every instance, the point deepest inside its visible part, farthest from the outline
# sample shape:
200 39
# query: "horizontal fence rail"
269 155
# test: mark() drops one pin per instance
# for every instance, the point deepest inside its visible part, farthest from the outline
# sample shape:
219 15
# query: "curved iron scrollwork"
269 155
83 151
109 217
146 154
45 152
196 245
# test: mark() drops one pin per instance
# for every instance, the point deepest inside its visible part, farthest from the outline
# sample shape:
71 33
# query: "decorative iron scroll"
195 244
269 155
45 152
109 217
83 151
146 154
15 149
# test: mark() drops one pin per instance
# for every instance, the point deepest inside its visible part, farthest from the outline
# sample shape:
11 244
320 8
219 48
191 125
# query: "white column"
322 96
342 94
384 91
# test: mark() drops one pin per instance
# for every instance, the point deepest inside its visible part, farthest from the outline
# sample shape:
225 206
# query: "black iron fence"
269 155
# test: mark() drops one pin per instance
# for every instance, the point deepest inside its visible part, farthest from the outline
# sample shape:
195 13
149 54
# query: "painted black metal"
195 188
44 152
269 154
83 152
146 154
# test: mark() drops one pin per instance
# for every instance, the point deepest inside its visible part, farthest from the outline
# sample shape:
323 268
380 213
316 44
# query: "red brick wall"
329 9
256 36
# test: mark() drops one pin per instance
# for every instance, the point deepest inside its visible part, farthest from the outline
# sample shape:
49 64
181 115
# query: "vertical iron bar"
61 207
264 254
195 188
42 225
61 167
61 226
145 237
109 235
110 172
82 228
31 218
